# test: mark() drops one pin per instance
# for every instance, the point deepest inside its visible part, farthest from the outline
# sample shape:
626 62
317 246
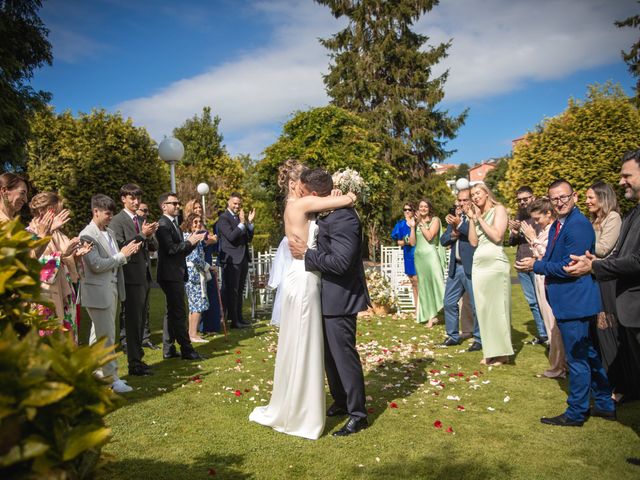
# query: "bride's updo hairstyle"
289 171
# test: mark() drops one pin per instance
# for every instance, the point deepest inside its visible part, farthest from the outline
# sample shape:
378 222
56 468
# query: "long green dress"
491 282
429 259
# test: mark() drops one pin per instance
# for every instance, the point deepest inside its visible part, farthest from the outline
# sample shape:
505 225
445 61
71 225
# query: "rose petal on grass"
212 472
237 393
393 405
460 408
437 424
449 430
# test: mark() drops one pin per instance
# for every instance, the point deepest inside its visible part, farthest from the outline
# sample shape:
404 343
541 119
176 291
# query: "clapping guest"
541 212
491 275
605 217
59 272
197 269
429 262
401 233
102 282
524 198
210 318
13 189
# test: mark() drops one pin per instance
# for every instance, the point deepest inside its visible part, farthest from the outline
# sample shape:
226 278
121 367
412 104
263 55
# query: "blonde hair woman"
490 274
59 272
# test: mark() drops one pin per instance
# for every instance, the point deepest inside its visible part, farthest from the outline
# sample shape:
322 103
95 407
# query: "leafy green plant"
51 403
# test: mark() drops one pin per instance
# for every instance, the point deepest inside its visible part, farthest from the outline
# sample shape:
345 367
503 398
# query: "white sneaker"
119 386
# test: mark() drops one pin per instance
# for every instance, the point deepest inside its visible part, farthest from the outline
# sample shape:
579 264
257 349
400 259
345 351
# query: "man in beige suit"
102 283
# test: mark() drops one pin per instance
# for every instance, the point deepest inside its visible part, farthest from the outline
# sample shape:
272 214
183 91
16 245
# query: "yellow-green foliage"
583 144
51 404
92 153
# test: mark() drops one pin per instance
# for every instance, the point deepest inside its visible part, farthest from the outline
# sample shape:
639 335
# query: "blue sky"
513 62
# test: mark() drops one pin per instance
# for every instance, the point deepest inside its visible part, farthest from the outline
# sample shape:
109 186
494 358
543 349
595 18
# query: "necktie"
136 224
558 227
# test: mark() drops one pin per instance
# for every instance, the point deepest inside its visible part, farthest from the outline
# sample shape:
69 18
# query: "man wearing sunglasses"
525 197
575 303
172 275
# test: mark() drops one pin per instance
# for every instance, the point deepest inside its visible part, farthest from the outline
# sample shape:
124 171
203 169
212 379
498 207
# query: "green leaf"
47 393
29 449
83 438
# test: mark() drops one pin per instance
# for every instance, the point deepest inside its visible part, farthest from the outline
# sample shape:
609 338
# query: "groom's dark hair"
317 180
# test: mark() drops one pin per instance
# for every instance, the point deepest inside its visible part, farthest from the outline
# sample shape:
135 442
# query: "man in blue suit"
459 275
575 303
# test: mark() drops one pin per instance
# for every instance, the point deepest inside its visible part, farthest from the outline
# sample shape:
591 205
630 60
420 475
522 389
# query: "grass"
172 427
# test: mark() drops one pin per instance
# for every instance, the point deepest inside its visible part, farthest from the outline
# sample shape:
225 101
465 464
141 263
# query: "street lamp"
171 151
203 189
462 184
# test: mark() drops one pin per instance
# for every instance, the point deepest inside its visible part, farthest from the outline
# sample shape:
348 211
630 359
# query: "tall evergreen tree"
382 71
23 48
632 57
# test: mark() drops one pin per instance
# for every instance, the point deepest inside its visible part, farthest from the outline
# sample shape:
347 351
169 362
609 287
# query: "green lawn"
176 427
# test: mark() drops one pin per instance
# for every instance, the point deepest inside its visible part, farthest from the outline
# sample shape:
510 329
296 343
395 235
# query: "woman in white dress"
297 405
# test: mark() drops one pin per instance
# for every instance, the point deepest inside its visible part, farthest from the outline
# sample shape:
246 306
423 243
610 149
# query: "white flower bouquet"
349 180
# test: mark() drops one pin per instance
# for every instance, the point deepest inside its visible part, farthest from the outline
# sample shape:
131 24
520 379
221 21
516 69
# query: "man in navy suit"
344 294
459 275
234 235
575 303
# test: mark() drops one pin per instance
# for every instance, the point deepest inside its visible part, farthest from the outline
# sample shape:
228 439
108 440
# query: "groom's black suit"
344 294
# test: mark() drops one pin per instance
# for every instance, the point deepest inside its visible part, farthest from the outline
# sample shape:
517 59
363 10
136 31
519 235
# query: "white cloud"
73 47
498 46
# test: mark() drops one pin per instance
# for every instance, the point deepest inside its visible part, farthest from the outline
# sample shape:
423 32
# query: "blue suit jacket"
568 296
466 249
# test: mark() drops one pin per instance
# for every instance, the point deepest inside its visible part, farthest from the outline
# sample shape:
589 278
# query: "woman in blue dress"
199 273
400 234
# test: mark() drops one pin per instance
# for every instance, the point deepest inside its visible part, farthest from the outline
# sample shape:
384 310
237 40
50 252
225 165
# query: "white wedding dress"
297 405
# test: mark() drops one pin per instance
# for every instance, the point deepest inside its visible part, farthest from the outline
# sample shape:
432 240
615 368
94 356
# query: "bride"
297 405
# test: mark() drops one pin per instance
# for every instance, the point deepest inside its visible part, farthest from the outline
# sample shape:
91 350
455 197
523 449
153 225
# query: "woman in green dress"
429 260
491 278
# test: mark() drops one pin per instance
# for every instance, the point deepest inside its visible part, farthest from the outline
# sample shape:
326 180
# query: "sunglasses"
407 209
143 210
175 204
523 199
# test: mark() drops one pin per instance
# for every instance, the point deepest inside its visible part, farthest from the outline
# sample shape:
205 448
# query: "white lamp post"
171 151
203 189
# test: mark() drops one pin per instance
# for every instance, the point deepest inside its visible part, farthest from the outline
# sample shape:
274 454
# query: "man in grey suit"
102 282
623 265
128 227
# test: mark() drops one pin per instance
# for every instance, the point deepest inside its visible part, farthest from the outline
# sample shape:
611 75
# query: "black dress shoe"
150 346
561 421
172 354
606 414
449 342
336 411
353 425
140 370
475 346
193 356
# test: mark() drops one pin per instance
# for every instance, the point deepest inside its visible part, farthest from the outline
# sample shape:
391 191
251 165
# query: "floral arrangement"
349 180
380 289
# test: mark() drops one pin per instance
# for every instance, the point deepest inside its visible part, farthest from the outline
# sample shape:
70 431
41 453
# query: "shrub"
51 404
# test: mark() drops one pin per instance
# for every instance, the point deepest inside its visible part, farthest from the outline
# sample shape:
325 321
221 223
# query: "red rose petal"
461 408
370 410
238 360
437 424
212 471
393 405
449 430
238 352
460 374
237 393
198 380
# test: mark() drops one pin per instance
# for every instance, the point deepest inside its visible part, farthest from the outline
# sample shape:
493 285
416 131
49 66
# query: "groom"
344 294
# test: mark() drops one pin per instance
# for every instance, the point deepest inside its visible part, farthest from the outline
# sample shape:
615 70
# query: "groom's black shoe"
336 411
353 425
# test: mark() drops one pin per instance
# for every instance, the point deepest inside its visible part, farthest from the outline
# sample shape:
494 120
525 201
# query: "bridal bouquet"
349 180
